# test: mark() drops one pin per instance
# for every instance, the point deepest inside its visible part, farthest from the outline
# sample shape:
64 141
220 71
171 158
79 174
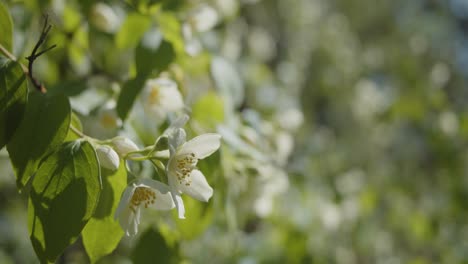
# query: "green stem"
164 154
12 57
77 132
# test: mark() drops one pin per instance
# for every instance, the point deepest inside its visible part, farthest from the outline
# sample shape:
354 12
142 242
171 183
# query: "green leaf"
76 123
152 246
171 30
194 209
13 98
43 128
64 194
107 56
6 27
102 234
153 53
133 28
208 111
128 95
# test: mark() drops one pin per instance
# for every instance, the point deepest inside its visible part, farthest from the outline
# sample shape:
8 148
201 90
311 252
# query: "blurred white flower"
160 97
193 45
290 119
104 18
271 182
108 158
181 170
203 18
448 123
123 145
200 20
284 143
143 194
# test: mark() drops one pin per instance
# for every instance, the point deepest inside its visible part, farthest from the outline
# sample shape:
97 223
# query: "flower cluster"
160 98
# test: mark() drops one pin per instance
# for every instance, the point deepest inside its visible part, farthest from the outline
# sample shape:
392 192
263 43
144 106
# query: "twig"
34 55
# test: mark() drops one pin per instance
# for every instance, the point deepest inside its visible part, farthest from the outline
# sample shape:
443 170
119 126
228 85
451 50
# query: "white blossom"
160 97
183 175
142 194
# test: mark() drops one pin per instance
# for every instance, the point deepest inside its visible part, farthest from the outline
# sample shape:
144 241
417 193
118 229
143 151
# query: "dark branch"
34 54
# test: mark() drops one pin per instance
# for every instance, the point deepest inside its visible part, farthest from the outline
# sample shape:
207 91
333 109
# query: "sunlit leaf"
75 127
6 28
132 30
208 111
13 98
43 128
102 234
171 30
64 194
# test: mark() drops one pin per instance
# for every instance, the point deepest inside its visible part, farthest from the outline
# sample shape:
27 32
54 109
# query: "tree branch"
34 55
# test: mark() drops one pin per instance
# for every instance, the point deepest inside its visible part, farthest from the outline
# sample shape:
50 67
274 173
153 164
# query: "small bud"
108 158
123 145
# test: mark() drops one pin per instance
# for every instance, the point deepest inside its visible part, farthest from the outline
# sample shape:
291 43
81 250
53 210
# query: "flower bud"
108 158
123 145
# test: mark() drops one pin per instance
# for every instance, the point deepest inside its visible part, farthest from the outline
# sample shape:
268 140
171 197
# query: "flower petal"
124 201
129 221
176 138
198 188
202 146
179 203
164 199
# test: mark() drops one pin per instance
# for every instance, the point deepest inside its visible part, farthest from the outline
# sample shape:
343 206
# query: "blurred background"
344 123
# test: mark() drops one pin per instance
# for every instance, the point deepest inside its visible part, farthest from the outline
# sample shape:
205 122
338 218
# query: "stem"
78 132
12 57
163 154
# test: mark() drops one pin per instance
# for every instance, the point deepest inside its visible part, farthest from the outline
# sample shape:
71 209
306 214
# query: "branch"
34 55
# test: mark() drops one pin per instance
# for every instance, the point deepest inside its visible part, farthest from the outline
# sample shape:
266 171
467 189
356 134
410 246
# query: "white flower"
108 158
160 96
203 18
104 18
123 145
181 169
143 194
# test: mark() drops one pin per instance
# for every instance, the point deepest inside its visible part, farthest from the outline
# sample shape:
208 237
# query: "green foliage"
129 93
6 27
102 233
208 111
75 125
336 120
153 56
153 246
194 209
133 28
171 30
43 128
13 98
64 194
